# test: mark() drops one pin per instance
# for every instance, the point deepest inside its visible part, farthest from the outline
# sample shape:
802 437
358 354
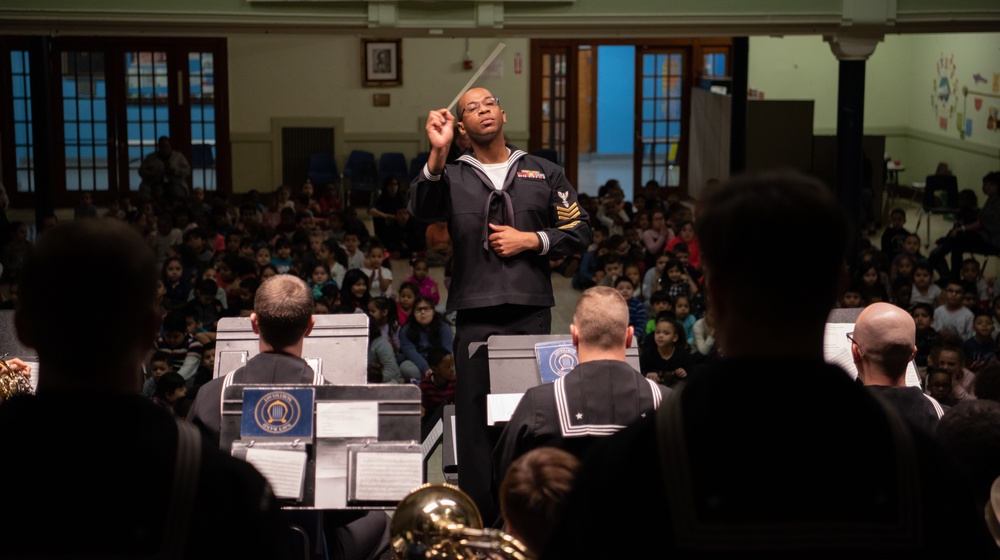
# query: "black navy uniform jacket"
805 465
536 197
595 399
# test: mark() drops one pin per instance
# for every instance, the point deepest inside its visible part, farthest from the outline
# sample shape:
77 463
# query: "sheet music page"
385 476
347 419
500 407
284 469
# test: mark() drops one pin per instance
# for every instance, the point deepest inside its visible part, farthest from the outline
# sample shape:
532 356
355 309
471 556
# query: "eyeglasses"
489 102
422 309
850 336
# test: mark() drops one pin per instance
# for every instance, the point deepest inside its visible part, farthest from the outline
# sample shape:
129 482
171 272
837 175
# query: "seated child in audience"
245 297
651 280
911 247
207 303
872 288
894 234
633 269
405 297
183 349
611 269
176 283
282 257
970 297
320 278
418 275
437 243
159 364
676 281
379 275
659 302
924 288
686 234
262 256
355 256
333 255
902 291
316 239
438 388
902 268
952 316
636 308
424 330
682 311
927 335
851 298
681 253
330 302
206 368
667 360
355 293
383 366
585 275
382 313
170 392
940 386
981 347
194 326
704 338
971 271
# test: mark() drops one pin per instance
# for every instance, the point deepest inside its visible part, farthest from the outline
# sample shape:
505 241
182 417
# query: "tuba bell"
11 383
442 521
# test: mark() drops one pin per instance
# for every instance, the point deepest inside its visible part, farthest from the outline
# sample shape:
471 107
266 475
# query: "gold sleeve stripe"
571 208
570 225
568 216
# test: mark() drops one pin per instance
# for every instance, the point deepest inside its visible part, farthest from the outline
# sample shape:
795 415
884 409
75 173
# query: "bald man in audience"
883 344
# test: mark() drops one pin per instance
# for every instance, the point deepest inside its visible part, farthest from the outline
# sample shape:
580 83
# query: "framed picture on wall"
381 62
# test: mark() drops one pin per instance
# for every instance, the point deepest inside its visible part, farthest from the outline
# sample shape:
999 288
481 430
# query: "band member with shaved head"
882 345
509 213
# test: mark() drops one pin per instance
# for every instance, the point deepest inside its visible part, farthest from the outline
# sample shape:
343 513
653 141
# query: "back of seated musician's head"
532 492
600 319
755 211
80 339
283 310
885 338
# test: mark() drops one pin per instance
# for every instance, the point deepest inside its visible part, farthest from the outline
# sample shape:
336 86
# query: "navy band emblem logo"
277 412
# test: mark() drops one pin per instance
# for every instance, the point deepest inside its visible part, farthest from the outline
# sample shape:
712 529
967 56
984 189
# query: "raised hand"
440 128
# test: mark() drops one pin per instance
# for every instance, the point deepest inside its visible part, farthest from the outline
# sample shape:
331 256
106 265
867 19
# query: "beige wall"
299 79
899 89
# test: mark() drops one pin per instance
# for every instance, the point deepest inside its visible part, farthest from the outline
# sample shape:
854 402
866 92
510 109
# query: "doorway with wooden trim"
620 109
